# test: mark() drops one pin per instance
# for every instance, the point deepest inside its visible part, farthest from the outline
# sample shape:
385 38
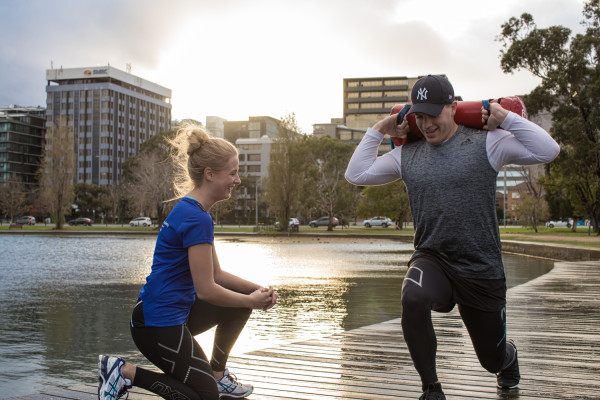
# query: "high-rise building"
22 132
368 100
112 113
215 126
337 130
254 128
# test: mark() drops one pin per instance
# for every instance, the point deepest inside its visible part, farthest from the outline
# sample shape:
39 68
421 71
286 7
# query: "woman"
187 292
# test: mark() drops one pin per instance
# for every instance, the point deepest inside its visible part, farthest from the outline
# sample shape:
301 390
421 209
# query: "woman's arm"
202 267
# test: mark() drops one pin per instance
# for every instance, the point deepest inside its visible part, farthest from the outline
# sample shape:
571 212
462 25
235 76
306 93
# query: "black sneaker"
509 377
433 391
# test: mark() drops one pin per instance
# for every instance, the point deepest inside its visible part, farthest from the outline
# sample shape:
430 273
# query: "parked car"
140 221
25 220
323 221
558 224
293 224
80 221
377 221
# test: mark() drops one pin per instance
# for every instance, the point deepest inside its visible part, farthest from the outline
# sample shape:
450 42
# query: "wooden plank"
553 320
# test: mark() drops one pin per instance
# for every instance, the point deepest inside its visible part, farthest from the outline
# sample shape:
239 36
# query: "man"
451 181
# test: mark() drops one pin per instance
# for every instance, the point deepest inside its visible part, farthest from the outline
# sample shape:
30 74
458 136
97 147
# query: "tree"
570 87
88 198
149 177
13 197
386 200
57 171
285 174
325 162
531 210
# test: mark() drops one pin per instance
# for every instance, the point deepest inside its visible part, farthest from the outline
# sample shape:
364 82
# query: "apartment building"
22 132
111 112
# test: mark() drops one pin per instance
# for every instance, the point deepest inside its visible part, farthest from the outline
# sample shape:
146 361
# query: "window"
371 83
353 95
370 105
516 195
250 146
395 93
370 94
395 82
253 157
253 168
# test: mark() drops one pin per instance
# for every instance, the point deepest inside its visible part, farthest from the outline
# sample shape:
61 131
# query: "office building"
337 130
255 155
22 132
216 126
254 128
111 112
368 100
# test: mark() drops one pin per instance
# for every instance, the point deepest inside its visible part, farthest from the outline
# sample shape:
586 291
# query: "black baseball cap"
430 94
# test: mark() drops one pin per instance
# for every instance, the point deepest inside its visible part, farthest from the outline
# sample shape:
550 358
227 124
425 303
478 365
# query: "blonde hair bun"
196 138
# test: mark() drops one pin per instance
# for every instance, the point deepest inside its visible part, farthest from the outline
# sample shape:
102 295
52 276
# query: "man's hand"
387 126
495 118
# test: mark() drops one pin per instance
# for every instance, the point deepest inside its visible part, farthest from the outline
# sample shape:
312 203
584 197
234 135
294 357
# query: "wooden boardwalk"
554 321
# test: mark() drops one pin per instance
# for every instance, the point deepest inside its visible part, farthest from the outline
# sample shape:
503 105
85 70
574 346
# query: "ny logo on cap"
422 94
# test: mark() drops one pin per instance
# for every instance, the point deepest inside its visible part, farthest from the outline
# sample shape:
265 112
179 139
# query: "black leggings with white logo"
187 372
426 287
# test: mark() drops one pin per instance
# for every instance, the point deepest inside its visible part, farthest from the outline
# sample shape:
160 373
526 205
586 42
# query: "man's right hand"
387 126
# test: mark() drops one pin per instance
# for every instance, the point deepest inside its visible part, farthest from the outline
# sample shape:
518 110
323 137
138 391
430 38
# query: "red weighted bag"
468 113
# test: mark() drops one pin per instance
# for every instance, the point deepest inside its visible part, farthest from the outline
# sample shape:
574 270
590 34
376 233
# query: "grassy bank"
544 235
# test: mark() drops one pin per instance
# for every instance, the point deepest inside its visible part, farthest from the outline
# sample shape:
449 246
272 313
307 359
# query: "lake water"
66 299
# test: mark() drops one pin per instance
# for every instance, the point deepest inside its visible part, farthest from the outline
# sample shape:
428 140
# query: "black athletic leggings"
187 372
426 288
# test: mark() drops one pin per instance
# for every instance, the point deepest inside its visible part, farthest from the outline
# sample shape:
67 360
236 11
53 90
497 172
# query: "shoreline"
549 250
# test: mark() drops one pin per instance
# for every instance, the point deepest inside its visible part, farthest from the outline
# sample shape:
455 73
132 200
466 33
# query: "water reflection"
67 299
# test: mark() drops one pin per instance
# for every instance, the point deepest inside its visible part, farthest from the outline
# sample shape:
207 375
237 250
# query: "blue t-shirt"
169 293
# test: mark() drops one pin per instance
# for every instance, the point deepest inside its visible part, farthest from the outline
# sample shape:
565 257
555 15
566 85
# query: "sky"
240 58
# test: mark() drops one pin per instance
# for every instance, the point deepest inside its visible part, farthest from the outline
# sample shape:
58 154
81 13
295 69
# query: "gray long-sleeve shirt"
452 187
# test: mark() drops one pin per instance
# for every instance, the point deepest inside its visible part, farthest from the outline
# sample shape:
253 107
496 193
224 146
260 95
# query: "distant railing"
264 228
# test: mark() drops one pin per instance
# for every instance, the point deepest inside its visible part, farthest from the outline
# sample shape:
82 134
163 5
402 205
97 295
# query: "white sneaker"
230 387
112 385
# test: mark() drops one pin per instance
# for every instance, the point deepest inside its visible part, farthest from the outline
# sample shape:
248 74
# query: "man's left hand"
495 118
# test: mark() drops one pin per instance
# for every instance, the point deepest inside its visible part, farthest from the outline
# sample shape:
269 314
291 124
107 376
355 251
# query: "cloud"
237 58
